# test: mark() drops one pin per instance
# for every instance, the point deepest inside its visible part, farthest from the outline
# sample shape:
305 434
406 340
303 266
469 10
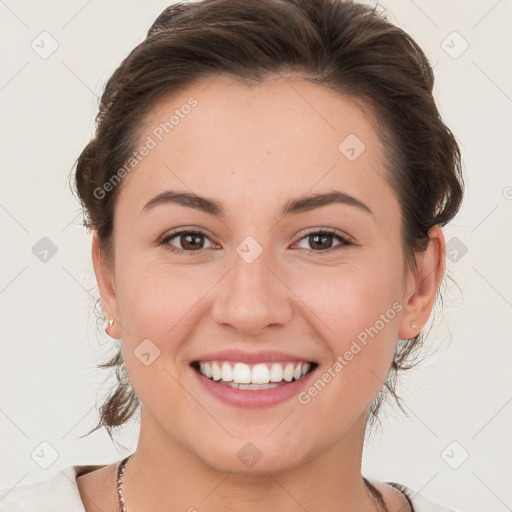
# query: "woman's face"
253 285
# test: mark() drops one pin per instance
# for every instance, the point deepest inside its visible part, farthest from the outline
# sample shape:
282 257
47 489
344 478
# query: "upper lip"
242 356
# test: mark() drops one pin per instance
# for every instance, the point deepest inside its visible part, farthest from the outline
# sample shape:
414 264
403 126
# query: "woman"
266 189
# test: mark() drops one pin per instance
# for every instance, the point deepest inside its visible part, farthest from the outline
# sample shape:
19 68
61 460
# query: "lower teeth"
269 385
250 386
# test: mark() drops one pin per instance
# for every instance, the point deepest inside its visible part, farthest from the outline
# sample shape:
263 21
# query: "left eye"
322 238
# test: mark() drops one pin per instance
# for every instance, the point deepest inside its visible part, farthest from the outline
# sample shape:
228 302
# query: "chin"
257 457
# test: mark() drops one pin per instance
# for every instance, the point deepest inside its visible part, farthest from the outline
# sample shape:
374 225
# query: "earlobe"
104 278
419 300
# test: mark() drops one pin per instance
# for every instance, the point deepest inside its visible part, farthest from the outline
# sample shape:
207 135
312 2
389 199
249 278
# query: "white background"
49 383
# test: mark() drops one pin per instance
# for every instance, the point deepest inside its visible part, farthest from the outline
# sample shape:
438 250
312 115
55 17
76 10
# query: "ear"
422 289
105 279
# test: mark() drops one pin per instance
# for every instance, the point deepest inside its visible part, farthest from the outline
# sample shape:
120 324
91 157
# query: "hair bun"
169 16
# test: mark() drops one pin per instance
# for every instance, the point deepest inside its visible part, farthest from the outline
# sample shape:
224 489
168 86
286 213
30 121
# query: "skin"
252 149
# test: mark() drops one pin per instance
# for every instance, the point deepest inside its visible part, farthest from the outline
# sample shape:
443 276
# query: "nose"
252 297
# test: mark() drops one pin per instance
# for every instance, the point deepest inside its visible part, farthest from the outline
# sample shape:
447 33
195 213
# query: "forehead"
256 145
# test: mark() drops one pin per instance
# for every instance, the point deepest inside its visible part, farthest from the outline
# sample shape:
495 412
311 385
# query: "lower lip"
247 398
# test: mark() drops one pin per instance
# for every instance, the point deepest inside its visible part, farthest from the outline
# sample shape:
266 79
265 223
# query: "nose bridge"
252 297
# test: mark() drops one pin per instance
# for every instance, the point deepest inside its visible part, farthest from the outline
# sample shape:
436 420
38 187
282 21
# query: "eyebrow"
294 206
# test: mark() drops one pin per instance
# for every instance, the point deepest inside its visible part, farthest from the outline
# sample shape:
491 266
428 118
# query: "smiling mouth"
253 376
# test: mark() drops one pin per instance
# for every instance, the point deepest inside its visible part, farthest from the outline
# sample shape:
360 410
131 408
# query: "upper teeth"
261 373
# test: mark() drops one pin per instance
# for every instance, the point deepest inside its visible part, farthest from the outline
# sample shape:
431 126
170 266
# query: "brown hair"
349 47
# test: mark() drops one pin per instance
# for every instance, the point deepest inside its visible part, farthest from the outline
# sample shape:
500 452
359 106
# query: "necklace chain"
120 473
122 505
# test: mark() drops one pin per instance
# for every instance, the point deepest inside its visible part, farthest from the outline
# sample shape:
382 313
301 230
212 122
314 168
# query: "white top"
59 493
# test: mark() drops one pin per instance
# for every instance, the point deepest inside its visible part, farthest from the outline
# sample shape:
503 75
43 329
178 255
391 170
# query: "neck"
163 475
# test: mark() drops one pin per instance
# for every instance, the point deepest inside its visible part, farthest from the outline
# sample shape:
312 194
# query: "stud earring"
110 323
413 325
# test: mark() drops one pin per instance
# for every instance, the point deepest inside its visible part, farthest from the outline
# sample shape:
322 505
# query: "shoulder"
58 493
419 502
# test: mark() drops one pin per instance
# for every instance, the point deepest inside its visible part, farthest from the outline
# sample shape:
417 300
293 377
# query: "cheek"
351 297
157 299
356 309
158 305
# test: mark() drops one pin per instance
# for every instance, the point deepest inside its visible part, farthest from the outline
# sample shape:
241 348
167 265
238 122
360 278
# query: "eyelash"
324 231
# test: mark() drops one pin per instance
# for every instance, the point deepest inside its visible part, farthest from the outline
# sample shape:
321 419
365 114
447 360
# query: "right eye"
189 240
